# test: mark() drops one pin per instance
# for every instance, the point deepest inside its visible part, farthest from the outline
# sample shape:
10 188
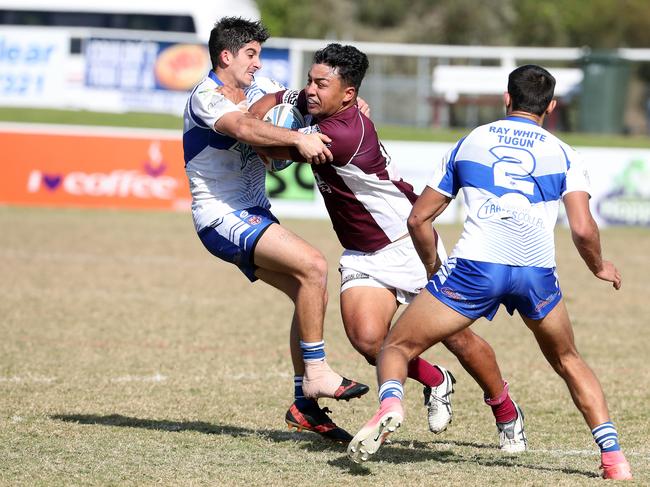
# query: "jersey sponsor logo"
353 277
323 187
545 302
510 206
450 293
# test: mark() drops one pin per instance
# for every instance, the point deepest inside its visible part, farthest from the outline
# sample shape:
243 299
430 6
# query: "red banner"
80 167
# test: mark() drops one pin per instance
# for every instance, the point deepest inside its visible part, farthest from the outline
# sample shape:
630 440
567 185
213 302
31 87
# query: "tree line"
599 24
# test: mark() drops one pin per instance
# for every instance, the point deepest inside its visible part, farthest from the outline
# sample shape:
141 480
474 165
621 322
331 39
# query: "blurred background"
437 68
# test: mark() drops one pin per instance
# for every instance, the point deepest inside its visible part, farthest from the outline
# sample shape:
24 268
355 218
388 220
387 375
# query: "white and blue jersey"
227 178
224 174
512 174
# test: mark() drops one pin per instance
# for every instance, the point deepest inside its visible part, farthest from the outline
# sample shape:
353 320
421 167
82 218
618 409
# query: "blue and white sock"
391 388
606 437
312 351
299 396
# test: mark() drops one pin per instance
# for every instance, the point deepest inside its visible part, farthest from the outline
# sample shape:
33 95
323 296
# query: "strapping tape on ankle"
498 400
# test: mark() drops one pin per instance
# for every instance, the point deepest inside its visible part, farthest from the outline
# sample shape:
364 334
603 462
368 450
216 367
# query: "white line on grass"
157 377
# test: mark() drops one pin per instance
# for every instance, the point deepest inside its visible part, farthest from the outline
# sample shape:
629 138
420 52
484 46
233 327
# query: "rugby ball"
283 115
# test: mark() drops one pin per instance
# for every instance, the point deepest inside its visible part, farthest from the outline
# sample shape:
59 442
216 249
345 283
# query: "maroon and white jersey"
365 197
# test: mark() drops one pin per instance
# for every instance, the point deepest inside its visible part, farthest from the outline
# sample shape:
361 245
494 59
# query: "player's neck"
527 115
226 77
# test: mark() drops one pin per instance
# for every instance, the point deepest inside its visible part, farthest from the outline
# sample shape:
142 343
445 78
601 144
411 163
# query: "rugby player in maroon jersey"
368 204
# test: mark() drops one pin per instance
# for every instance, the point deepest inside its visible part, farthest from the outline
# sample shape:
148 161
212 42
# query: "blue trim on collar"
522 119
213 76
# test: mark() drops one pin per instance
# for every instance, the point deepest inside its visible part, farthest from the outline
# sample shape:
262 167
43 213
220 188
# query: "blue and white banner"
133 75
32 67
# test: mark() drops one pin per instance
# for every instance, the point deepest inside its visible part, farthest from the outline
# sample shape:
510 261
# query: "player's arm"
250 130
263 105
586 237
429 205
261 108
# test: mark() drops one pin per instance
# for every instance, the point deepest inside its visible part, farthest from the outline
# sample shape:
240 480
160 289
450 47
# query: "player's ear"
507 100
551 106
225 58
350 93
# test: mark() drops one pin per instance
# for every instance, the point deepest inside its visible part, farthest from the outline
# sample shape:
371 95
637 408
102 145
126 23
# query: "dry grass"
129 356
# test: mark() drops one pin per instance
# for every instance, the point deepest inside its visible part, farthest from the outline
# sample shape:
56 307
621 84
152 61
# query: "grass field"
160 121
129 356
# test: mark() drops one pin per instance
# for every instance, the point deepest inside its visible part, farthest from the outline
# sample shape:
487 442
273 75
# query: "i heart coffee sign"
82 167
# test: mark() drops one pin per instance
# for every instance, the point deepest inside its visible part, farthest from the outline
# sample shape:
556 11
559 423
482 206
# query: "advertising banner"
92 168
620 180
32 66
130 168
132 75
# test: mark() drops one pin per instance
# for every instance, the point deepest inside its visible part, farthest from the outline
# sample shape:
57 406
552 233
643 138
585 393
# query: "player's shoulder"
348 121
207 93
261 86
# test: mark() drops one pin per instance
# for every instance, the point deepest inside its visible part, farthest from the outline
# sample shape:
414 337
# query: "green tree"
594 23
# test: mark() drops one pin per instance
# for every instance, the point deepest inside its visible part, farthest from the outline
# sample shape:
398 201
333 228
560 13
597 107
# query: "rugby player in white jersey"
513 174
368 204
231 212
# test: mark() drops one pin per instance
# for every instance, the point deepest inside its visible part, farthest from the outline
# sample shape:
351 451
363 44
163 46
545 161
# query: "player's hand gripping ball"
283 115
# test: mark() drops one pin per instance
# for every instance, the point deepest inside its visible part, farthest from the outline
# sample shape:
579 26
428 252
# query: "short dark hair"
531 88
350 63
232 33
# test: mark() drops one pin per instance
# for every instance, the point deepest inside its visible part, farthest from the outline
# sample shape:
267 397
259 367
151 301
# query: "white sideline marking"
157 377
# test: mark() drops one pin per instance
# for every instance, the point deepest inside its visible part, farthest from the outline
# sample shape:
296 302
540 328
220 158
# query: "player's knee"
368 346
460 342
314 270
364 337
566 362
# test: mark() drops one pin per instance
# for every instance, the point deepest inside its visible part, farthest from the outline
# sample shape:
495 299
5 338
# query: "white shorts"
396 267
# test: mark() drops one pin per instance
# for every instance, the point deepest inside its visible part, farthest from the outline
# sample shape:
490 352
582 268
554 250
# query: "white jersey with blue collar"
512 174
224 175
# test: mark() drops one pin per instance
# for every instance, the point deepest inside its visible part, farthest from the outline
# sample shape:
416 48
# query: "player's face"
326 92
245 63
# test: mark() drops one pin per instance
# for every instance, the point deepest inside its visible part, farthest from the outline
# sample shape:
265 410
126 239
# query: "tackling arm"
427 208
586 237
248 129
263 105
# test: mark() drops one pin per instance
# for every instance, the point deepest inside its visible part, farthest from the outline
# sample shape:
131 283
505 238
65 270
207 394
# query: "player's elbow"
584 230
414 222
585 235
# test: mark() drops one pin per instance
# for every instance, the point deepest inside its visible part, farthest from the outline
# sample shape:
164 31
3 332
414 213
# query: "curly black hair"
349 63
531 88
232 33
